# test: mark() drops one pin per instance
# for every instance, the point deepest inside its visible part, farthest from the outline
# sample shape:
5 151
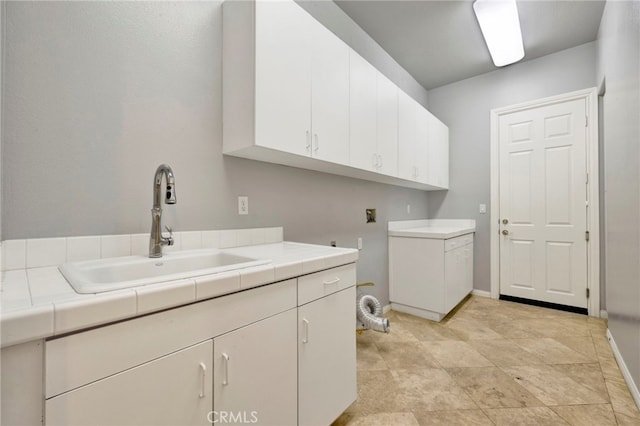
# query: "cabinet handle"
203 369
225 377
305 330
336 280
379 161
374 160
315 136
308 140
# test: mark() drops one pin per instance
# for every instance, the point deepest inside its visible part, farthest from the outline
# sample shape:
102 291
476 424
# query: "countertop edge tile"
257 275
100 309
27 325
214 285
152 298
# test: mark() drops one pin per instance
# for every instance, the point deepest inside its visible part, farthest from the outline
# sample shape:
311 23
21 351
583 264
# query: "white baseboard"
481 293
386 308
624 370
604 314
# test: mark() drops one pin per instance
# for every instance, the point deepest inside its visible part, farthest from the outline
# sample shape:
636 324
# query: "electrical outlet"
359 243
408 208
483 208
243 205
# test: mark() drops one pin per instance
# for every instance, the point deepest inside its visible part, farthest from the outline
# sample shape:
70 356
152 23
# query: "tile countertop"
431 228
38 302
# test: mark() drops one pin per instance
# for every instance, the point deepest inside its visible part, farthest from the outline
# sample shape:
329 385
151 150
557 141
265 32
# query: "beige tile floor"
490 363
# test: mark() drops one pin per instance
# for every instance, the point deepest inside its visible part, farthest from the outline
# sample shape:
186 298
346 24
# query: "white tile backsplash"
191 240
42 252
15 254
211 239
115 245
46 252
83 248
229 238
139 244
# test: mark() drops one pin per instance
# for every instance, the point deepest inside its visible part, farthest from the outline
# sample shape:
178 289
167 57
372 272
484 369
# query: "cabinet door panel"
254 371
407 110
329 95
326 357
387 119
362 117
171 390
422 144
438 153
283 77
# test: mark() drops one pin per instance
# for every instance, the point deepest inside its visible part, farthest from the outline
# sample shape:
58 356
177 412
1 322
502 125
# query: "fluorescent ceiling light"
500 27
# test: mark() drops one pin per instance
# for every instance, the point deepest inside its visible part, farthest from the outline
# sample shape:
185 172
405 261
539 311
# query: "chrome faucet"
156 240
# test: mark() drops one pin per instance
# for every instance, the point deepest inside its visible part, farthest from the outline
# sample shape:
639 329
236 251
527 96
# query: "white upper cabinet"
295 94
413 140
407 136
363 114
438 153
283 77
329 96
373 119
387 120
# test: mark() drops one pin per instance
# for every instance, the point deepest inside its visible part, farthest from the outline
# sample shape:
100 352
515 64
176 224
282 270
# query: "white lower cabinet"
253 380
233 359
174 389
428 277
326 357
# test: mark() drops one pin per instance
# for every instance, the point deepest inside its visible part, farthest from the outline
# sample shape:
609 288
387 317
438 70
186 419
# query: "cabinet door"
454 272
387 119
362 117
468 278
326 357
329 95
438 153
174 389
421 158
407 134
283 77
255 372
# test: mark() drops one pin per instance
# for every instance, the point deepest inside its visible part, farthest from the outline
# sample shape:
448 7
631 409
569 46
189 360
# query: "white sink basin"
97 276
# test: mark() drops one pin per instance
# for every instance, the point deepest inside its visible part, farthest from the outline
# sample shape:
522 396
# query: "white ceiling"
439 42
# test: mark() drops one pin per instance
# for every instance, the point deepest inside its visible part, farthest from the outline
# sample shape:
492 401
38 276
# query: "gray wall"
97 94
619 65
465 107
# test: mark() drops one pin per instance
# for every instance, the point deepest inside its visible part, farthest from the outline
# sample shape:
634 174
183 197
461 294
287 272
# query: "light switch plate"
483 208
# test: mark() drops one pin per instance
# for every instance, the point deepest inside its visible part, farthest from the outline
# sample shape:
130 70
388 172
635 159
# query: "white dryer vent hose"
369 311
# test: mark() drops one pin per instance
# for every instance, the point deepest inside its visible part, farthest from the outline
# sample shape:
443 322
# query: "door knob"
505 232
505 221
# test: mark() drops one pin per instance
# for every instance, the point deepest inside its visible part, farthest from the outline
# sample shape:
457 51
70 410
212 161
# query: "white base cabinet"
174 389
326 358
428 277
253 378
281 354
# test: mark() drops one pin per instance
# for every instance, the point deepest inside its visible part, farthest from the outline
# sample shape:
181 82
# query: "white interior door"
543 203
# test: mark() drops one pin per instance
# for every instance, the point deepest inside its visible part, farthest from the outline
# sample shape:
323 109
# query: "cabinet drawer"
454 243
320 284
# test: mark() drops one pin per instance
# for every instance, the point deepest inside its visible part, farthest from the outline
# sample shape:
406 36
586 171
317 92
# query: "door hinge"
586 121
586 235
587 293
587 178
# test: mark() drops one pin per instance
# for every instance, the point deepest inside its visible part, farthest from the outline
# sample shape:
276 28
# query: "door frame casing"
593 215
